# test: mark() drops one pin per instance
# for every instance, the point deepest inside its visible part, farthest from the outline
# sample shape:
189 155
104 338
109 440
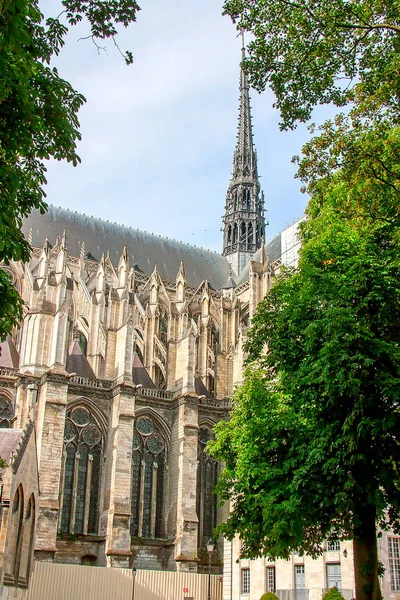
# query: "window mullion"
153 500
141 498
87 493
61 489
74 493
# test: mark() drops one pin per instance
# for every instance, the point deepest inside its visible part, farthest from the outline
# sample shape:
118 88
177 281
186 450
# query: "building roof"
77 362
144 249
9 442
139 374
9 356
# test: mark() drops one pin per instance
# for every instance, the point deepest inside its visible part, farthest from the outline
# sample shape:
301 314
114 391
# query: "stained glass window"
148 474
83 444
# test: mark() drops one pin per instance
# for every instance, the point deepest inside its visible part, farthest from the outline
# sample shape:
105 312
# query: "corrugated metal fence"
52 581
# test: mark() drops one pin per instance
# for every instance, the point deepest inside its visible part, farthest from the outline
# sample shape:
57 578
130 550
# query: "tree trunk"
366 555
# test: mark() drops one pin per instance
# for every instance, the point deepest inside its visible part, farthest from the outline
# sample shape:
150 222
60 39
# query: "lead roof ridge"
156 235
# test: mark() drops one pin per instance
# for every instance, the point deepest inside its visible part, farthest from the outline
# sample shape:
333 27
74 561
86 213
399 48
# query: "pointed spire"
64 240
245 157
244 223
181 272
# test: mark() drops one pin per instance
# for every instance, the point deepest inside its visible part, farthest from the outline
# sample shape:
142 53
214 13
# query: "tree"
318 51
312 450
38 114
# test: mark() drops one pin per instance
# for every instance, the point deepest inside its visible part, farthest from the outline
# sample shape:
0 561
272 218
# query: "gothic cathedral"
125 359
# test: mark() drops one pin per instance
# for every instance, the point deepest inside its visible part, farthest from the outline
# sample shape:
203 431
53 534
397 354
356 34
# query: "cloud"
158 136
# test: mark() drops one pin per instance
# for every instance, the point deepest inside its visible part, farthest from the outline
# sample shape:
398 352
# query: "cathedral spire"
244 224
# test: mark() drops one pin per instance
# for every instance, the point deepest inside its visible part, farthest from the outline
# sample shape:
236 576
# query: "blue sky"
159 135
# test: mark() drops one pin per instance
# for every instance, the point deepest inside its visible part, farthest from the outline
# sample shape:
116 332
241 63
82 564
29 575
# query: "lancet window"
81 474
149 459
6 413
207 473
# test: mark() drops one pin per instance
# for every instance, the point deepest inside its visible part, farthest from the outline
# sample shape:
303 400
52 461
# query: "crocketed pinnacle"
245 156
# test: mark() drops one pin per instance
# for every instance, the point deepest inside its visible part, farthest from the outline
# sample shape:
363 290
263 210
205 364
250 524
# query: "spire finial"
82 252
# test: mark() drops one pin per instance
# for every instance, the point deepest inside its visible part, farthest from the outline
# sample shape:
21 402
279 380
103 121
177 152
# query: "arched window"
235 233
148 476
16 525
207 473
229 241
164 329
243 232
83 343
250 234
159 379
27 541
6 413
210 384
83 450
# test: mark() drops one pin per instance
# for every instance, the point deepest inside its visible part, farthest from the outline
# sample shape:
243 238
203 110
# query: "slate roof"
139 374
77 362
144 249
9 356
9 442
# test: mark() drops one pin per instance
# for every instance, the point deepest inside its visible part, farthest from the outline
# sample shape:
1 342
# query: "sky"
159 135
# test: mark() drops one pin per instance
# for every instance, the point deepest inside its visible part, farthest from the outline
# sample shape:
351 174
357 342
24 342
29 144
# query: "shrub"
269 596
332 594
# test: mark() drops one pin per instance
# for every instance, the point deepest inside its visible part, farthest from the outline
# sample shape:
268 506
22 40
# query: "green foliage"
38 114
333 594
314 51
313 447
269 596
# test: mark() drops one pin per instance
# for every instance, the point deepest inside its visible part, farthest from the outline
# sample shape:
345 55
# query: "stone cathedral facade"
125 359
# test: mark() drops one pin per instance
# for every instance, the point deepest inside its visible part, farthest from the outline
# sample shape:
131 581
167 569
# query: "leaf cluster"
314 52
314 429
333 594
269 596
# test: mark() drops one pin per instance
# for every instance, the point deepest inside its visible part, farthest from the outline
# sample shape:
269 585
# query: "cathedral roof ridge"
145 249
136 229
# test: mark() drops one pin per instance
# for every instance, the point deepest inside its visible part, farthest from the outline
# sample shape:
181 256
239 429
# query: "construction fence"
51 581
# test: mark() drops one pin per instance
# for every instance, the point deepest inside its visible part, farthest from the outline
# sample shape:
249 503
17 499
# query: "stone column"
50 422
118 484
187 521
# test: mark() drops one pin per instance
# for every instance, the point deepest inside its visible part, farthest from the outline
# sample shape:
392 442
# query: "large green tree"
316 51
38 113
313 447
